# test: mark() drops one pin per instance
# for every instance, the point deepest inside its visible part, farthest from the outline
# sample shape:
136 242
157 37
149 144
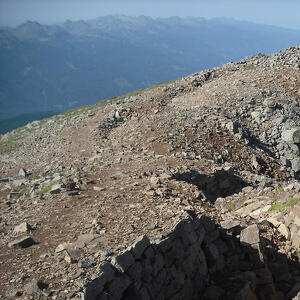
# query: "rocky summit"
185 190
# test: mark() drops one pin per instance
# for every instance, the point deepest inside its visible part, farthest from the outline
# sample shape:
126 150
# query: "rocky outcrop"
188 263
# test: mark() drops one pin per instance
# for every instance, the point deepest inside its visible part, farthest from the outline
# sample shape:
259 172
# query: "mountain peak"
30 29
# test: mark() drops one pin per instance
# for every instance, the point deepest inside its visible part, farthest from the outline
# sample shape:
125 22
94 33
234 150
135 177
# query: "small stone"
229 224
103 255
23 172
250 235
274 221
256 213
97 188
291 136
296 165
232 127
62 247
72 256
55 189
70 186
155 180
283 229
151 226
256 115
256 162
35 287
248 189
23 242
270 103
289 187
97 224
44 255
84 240
22 228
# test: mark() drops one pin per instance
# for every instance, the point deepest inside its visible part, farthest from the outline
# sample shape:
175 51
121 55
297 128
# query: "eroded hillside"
223 143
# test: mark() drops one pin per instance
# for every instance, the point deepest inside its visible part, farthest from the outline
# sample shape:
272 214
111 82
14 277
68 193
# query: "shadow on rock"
200 259
222 183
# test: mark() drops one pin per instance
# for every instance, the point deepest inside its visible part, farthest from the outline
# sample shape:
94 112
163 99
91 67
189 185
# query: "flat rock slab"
250 235
246 210
22 228
23 242
230 224
256 214
85 240
274 221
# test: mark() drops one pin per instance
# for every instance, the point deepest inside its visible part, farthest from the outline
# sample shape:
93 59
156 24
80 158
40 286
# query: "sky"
283 13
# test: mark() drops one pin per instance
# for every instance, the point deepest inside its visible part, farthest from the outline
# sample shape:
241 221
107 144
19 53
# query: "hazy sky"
285 13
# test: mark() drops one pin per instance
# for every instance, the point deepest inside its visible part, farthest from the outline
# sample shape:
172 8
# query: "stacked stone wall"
183 265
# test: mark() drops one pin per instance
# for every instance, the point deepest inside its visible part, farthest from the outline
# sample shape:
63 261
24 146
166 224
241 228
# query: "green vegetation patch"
25 192
45 189
279 190
13 139
249 67
282 207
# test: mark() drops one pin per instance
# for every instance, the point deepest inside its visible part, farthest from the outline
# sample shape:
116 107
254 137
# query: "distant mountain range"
55 68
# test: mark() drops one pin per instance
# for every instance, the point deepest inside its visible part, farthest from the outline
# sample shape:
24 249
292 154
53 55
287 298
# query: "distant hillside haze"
55 68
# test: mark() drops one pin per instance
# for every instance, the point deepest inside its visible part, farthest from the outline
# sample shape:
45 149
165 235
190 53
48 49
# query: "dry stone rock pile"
187 265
